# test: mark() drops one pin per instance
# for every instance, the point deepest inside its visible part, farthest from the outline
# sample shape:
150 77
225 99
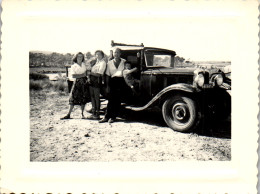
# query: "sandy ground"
140 136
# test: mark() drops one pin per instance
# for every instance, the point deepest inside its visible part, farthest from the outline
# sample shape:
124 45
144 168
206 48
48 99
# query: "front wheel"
180 113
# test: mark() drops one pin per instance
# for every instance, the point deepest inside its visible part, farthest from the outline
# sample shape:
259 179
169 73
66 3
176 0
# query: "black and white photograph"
131 90
135 85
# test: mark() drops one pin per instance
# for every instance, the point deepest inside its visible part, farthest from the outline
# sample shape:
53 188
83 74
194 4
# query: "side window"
162 60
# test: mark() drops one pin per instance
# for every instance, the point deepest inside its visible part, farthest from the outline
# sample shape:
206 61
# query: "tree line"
54 59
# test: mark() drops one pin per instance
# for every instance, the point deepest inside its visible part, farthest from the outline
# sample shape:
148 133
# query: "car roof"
128 47
159 49
124 48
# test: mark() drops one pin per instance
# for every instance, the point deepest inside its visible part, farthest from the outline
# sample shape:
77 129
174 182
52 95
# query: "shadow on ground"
216 128
151 117
213 128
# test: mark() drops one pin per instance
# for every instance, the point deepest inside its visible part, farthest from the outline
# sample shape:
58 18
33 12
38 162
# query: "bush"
40 82
37 76
59 86
35 85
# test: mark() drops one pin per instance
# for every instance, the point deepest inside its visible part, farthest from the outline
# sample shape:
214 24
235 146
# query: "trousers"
116 85
95 93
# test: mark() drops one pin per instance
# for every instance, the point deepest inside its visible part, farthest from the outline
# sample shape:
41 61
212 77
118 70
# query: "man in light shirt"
116 82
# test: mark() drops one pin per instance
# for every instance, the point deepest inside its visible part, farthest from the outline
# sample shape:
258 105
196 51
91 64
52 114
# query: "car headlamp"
219 79
199 79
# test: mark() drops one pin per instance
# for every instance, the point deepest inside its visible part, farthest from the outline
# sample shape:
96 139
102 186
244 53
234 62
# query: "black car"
186 95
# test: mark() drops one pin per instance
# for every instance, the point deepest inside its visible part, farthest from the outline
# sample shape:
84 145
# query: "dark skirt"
79 92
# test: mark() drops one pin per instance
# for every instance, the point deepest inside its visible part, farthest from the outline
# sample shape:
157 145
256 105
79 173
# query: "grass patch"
41 82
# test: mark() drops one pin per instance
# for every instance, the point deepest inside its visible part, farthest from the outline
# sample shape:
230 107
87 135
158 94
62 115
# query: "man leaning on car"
116 82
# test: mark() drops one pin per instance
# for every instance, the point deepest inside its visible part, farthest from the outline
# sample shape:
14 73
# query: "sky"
194 36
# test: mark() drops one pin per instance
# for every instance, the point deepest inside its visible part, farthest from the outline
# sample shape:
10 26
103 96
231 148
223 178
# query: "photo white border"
19 175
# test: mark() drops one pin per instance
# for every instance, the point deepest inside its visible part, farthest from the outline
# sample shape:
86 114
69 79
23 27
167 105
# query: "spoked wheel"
179 113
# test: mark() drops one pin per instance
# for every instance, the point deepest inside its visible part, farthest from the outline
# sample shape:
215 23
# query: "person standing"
115 84
79 94
96 74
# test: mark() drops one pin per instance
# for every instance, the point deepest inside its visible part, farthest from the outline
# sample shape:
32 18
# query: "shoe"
97 115
103 120
83 117
66 117
93 117
111 120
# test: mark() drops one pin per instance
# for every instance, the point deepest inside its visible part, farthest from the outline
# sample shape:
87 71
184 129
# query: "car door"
154 78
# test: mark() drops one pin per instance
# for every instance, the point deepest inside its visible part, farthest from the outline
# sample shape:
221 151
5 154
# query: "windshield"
159 59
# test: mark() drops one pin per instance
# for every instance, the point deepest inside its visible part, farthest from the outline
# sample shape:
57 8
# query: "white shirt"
113 71
99 67
77 69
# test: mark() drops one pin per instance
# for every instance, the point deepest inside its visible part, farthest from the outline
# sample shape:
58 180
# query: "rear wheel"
180 113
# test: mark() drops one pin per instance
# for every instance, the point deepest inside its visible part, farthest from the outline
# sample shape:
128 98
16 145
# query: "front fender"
175 87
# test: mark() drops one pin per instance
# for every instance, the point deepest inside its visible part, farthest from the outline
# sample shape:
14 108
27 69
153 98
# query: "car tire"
180 113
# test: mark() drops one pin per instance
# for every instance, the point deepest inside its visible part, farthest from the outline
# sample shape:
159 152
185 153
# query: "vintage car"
186 95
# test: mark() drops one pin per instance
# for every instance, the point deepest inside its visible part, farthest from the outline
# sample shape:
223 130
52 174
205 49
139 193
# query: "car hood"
183 71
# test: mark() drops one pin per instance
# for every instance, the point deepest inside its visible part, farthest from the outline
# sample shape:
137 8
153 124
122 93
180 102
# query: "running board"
135 108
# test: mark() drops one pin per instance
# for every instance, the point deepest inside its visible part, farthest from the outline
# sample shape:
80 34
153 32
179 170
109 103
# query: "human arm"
107 83
130 70
99 70
107 77
79 75
95 74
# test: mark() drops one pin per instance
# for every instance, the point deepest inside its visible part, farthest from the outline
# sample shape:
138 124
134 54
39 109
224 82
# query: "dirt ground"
140 136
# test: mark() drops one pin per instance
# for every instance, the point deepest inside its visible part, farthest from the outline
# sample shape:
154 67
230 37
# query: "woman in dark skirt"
79 94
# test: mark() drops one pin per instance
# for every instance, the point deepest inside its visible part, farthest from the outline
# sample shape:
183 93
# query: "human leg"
97 100
113 107
95 93
109 116
115 97
116 105
68 115
109 110
82 110
114 100
93 101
